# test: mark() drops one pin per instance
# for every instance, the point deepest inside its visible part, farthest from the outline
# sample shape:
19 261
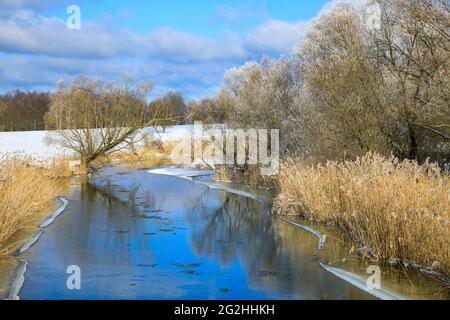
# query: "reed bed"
390 209
26 188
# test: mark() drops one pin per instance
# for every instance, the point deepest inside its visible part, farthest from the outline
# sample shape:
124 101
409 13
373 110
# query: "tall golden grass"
26 188
390 209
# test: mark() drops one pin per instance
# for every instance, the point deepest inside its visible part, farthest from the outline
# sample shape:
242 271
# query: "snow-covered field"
34 142
31 142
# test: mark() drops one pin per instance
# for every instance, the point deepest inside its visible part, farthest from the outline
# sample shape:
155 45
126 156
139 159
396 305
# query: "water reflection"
136 235
276 257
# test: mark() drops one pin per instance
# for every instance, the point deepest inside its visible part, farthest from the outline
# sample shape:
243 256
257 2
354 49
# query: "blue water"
136 235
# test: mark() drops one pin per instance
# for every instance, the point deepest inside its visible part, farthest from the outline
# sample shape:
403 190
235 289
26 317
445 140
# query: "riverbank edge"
18 279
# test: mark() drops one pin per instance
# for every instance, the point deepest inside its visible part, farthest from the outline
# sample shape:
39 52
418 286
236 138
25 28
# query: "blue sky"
205 17
179 45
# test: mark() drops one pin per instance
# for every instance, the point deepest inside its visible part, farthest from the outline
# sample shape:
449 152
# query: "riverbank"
391 211
27 187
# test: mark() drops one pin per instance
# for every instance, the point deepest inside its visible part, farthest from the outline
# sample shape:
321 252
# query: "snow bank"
360 283
19 280
180 172
34 142
30 142
190 174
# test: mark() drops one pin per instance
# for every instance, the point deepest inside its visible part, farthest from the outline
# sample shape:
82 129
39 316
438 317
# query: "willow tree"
95 119
413 52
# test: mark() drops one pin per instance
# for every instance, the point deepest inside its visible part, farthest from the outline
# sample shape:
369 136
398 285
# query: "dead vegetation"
389 209
27 187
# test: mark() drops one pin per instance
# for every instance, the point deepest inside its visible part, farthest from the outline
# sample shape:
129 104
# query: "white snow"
31 242
34 142
189 174
308 229
180 172
360 282
55 214
18 281
30 142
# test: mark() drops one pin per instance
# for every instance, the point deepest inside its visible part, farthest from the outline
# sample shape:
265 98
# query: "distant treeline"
23 111
26 111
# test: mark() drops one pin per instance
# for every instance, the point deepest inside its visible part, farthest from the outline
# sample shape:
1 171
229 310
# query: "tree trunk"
412 143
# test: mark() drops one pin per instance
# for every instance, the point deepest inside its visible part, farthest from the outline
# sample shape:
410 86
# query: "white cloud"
31 33
36 51
30 4
42 73
276 36
330 5
184 46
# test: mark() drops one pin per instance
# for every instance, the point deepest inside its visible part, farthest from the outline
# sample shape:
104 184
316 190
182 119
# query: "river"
136 235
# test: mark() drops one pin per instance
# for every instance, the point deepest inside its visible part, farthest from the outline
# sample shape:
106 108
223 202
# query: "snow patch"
18 281
308 229
190 174
34 142
19 278
181 172
55 214
30 242
360 282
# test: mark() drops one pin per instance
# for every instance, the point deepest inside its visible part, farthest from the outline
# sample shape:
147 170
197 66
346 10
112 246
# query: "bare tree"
168 110
351 89
208 110
345 91
23 111
264 95
95 119
413 48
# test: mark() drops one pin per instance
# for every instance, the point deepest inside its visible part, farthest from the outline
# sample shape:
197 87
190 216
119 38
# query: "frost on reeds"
390 209
27 186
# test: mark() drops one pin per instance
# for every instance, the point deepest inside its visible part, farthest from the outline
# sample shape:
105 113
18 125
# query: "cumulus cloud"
42 73
276 36
36 5
36 50
31 33
184 46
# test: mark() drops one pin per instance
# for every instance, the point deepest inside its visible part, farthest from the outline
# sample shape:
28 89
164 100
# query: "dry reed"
390 209
26 187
